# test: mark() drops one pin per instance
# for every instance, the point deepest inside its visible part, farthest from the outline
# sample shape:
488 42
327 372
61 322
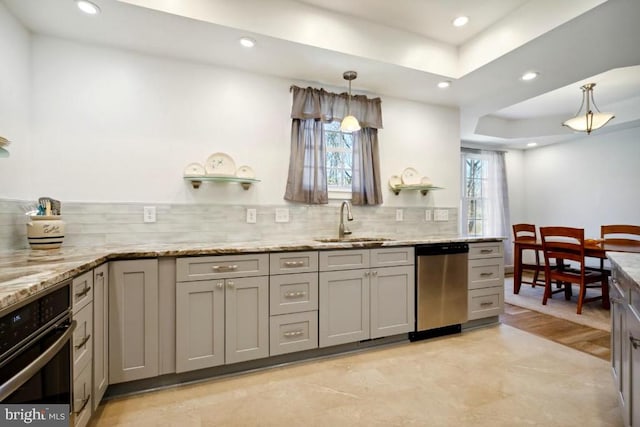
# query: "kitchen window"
474 194
339 159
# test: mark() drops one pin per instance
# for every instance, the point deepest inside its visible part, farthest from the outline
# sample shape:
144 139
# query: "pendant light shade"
586 120
349 123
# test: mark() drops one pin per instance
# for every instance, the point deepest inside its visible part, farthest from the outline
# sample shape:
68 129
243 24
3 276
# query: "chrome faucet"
342 230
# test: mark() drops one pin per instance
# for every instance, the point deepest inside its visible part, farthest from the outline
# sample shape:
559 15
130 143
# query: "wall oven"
35 349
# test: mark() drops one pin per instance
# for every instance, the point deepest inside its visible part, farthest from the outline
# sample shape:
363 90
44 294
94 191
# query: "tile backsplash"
90 224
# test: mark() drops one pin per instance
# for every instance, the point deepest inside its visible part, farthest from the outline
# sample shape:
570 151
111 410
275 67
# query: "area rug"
593 314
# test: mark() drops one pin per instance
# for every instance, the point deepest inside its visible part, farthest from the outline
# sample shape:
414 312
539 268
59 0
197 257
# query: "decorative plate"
220 164
425 180
194 169
245 172
394 181
410 176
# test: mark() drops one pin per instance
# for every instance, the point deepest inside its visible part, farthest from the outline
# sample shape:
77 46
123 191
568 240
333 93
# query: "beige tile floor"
494 376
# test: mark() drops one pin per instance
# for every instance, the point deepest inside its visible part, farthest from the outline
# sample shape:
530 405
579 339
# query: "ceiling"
400 48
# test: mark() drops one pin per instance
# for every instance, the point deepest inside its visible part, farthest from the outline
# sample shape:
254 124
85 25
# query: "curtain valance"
318 104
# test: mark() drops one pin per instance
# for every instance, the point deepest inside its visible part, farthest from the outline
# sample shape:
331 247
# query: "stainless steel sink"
352 239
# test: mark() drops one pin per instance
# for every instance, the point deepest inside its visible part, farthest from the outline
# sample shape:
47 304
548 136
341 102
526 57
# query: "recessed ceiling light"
444 84
247 42
88 7
460 21
532 144
529 75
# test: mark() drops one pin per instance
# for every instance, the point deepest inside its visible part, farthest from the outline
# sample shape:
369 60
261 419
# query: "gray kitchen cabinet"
100 333
363 303
485 280
82 348
225 319
133 320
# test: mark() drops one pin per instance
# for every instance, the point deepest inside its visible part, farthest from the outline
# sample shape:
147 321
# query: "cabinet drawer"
224 266
486 250
486 302
292 293
392 257
82 290
293 262
293 332
82 343
485 273
81 405
350 259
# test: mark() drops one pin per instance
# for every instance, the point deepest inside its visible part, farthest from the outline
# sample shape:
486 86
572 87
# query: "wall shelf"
424 189
197 180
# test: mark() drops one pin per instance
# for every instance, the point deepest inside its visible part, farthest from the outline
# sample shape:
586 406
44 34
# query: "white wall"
15 174
584 183
514 160
113 125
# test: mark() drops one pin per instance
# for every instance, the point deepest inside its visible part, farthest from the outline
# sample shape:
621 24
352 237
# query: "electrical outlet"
282 215
441 215
251 216
149 214
427 215
399 215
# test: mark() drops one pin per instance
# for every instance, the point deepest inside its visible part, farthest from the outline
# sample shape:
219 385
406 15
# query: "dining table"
593 248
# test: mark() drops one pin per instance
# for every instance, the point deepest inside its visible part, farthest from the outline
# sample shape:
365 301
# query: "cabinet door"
199 325
618 334
100 333
343 307
133 320
247 318
631 390
392 301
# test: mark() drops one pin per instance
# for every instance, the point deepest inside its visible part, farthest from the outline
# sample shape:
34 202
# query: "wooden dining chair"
619 234
527 232
560 244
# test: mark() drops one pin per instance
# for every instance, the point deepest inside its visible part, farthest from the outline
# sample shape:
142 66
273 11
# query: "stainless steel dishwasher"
441 289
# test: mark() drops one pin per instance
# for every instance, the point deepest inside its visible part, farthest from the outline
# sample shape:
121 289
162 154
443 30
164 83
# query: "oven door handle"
30 370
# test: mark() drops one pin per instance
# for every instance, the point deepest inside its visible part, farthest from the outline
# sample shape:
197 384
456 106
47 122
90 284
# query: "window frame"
480 201
334 191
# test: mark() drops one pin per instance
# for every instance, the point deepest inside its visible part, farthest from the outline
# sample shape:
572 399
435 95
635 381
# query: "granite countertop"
24 273
629 263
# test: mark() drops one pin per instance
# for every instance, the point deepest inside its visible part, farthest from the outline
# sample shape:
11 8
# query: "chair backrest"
565 243
524 231
621 234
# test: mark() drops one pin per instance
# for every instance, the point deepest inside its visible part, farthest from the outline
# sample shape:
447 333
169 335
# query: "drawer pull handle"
635 342
82 343
294 263
83 292
84 404
100 274
218 268
486 251
293 334
485 304
295 294
485 274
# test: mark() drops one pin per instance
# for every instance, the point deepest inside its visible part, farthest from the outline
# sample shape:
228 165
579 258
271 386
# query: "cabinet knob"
374 272
366 274
230 284
635 342
220 285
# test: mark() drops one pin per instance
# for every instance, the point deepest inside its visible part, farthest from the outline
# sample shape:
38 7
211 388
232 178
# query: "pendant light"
588 121
349 123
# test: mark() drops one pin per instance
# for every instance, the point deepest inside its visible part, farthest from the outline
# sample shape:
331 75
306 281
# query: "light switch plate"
427 215
149 214
251 216
399 215
441 215
282 215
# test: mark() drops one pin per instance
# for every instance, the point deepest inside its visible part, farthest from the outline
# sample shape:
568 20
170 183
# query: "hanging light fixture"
349 123
588 121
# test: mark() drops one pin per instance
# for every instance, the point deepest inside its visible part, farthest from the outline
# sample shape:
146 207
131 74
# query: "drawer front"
486 273
224 266
293 262
391 257
486 250
293 293
293 332
81 406
486 302
82 342
634 302
344 260
82 289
